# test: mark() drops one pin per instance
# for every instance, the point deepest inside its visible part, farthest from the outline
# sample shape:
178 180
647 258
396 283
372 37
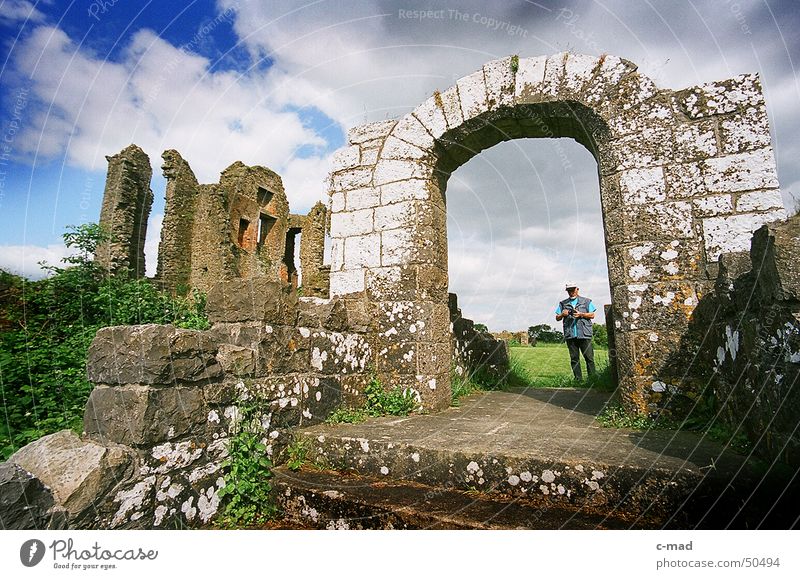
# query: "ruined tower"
127 200
175 250
316 277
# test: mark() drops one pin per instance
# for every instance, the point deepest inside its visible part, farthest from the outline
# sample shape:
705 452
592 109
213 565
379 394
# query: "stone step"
319 499
546 446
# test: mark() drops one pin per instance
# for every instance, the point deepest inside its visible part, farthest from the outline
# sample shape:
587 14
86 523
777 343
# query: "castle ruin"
686 178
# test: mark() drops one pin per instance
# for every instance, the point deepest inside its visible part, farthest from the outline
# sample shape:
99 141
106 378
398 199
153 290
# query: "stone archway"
684 176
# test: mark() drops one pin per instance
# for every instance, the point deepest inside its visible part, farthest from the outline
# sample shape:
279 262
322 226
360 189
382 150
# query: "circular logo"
31 553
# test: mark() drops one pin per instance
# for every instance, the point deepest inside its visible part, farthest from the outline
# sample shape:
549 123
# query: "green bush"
46 327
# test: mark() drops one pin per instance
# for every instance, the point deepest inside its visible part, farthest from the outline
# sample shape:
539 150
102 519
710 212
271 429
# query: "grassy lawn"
547 366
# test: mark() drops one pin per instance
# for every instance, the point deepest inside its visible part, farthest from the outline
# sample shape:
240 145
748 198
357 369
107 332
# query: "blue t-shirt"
574 302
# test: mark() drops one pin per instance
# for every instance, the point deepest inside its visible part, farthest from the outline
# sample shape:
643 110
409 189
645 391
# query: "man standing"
577 312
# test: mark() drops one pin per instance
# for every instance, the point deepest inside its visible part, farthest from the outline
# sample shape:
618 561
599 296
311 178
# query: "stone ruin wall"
475 353
166 400
520 337
746 334
126 207
684 177
210 232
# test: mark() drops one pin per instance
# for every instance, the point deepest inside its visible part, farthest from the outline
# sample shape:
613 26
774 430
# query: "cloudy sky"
279 83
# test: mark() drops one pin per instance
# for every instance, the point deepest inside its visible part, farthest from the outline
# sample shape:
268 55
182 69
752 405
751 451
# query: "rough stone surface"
76 471
749 328
25 503
544 445
126 207
170 398
476 352
244 300
685 176
316 277
151 354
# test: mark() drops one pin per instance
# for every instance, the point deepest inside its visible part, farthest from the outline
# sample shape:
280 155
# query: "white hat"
570 284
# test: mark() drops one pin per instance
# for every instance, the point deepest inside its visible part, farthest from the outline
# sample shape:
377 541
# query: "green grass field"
547 366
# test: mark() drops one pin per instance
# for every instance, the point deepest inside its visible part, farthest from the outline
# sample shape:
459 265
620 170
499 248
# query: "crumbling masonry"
237 228
686 177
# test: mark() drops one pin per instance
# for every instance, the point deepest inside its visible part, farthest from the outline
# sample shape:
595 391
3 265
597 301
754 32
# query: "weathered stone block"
499 82
721 97
391 170
694 142
759 201
347 282
712 205
397 246
137 415
151 354
395 148
346 158
349 223
741 172
362 251
405 191
351 179
528 82
362 198
395 216
330 314
434 358
747 130
610 71
237 360
579 70
254 299
369 131
653 261
733 233
472 92
323 396
78 472
451 107
642 186
25 503
431 116
412 131
664 305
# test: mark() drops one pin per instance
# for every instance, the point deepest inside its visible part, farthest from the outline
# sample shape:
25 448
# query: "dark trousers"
576 347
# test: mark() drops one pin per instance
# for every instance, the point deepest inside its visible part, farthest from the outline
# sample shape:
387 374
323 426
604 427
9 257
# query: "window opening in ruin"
244 224
265 225
264 196
288 257
523 217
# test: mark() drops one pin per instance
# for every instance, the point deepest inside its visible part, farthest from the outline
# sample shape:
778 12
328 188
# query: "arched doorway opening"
522 218
679 185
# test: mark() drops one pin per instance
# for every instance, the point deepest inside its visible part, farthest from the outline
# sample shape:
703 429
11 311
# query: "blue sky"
278 84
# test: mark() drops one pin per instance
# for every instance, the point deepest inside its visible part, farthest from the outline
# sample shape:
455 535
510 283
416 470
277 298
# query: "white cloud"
24 260
157 96
19 10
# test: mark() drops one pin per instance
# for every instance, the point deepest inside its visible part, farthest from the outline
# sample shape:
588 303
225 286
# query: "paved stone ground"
547 424
545 445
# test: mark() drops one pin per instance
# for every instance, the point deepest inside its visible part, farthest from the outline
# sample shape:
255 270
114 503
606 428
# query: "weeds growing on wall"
46 327
378 402
247 493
